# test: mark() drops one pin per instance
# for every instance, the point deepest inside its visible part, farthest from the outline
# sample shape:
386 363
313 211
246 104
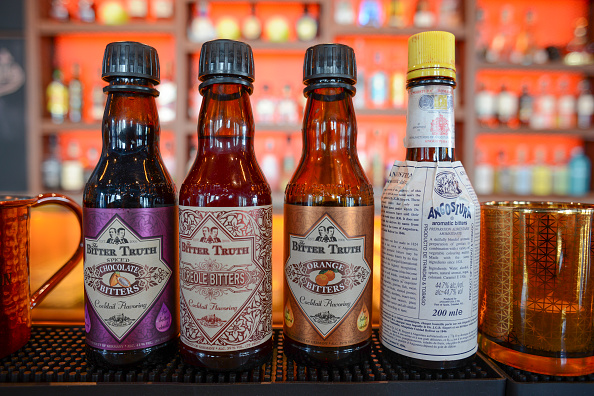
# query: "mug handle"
52 198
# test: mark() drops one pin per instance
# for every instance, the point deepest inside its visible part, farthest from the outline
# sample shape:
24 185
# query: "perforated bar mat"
56 355
528 377
520 383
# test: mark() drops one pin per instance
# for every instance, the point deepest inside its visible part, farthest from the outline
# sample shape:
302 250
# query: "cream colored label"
225 277
430 261
328 275
430 117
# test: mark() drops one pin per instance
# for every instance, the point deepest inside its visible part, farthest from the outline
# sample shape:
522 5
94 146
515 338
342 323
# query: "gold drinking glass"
537 286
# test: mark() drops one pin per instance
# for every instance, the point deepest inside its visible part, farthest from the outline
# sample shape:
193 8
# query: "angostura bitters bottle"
328 220
430 224
130 223
225 223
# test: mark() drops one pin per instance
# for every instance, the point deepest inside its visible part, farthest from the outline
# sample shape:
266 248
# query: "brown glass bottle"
129 202
225 189
430 138
328 207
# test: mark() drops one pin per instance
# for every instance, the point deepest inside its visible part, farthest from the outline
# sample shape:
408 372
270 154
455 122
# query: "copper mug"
16 300
536 294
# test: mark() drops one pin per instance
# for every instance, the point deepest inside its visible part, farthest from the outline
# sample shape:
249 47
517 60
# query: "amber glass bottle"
130 222
225 223
430 225
328 220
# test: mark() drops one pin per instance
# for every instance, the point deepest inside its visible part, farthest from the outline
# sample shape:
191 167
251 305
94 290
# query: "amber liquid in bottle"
226 174
130 174
328 175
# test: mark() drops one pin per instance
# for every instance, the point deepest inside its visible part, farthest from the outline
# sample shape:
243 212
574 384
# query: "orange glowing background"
54 236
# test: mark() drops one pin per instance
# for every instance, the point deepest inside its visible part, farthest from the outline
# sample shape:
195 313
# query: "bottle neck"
131 120
329 123
430 130
226 121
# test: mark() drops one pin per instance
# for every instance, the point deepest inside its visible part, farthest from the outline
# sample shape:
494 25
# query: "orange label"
328 255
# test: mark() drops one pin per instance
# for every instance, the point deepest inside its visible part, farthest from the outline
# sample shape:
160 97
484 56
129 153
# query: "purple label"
87 320
130 277
163 322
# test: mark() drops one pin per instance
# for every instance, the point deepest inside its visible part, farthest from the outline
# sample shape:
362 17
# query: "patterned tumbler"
537 286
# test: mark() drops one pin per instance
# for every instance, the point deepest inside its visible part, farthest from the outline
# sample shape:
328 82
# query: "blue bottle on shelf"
370 13
522 173
378 84
580 170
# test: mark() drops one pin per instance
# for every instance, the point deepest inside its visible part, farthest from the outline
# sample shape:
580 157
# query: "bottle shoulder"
216 195
314 194
329 180
225 180
140 173
310 189
123 197
142 183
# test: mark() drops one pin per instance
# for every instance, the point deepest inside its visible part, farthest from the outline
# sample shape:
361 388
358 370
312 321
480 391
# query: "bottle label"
507 106
129 274
225 277
430 117
430 261
485 105
585 105
328 274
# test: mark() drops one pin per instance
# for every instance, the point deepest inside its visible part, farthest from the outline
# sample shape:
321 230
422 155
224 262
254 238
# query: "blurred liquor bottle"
75 95
57 98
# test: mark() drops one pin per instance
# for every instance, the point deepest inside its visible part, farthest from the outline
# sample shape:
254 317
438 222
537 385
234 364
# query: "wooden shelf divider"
51 28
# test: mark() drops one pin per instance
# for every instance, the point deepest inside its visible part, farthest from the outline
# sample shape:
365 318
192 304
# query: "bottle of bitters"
430 224
225 223
130 223
328 222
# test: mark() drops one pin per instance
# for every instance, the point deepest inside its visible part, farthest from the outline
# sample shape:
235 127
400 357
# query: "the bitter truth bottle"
225 223
430 224
328 220
130 223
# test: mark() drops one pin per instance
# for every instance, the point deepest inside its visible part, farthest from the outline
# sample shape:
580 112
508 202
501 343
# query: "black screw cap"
329 61
130 59
219 58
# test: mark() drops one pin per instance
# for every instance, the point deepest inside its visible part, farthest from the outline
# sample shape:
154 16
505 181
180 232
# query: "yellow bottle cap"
431 54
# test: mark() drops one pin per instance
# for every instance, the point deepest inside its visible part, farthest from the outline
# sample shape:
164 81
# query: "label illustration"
430 117
430 261
327 278
446 185
225 277
128 278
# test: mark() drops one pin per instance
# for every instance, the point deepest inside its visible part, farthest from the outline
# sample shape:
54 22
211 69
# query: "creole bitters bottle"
430 224
130 223
225 223
328 220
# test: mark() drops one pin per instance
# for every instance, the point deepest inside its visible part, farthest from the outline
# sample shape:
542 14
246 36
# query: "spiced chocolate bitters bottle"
328 220
130 223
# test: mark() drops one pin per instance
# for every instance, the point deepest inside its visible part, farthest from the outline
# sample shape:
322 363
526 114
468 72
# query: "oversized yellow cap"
431 54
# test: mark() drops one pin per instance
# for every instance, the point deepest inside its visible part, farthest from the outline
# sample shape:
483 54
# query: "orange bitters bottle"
328 219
